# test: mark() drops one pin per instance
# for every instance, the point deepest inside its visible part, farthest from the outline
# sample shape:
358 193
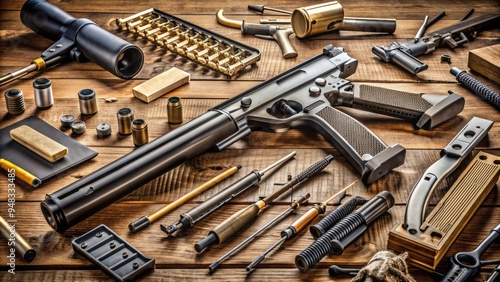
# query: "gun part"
103 130
78 39
319 229
293 206
139 132
145 221
8 231
125 117
112 254
227 123
244 216
405 53
298 225
421 30
465 265
477 87
335 271
67 121
495 275
278 33
196 214
451 156
177 35
344 232
445 222
327 17
261 8
87 101
434 20
42 87
14 101
78 127
20 173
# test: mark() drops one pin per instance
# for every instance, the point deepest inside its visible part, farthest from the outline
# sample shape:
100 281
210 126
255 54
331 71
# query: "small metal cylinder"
174 110
316 19
78 127
88 102
14 100
67 121
125 118
103 130
43 93
139 132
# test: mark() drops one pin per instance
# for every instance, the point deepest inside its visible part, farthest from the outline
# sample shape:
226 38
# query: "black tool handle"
467 264
477 87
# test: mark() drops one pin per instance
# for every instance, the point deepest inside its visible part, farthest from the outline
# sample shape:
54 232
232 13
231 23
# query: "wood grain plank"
54 249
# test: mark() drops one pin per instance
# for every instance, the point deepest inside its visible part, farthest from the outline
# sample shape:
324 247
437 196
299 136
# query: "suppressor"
344 232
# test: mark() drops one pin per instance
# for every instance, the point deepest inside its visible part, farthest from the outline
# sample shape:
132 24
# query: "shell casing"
125 118
174 110
139 132
87 101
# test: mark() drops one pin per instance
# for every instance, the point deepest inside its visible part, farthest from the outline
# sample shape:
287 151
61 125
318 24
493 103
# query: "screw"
112 245
135 265
125 255
99 234
83 245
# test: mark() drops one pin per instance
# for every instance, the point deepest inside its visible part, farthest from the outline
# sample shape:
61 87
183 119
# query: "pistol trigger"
262 36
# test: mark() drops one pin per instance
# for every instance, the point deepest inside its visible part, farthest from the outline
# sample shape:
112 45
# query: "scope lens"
130 62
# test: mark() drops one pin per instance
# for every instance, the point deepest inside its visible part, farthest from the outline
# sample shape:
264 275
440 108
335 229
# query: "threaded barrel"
477 87
317 230
14 100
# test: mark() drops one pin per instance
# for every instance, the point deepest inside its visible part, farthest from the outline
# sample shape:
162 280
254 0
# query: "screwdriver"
293 206
243 217
298 225
261 8
196 214
145 221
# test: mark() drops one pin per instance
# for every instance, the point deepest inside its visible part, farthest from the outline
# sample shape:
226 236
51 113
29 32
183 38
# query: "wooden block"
486 61
38 143
161 84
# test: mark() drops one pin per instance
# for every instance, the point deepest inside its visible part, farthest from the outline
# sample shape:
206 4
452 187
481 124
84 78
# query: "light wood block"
38 143
160 85
486 61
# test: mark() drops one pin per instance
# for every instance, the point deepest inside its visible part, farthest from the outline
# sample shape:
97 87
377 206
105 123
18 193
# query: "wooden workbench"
175 256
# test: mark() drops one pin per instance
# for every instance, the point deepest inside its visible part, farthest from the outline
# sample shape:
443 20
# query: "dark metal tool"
293 206
261 8
196 214
243 217
344 232
298 225
467 264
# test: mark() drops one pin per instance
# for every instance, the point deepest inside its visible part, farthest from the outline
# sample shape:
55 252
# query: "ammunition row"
189 41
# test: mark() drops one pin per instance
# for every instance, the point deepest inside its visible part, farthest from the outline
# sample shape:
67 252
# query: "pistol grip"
425 110
287 49
371 157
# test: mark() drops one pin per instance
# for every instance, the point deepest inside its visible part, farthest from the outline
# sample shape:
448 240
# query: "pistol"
303 96
405 53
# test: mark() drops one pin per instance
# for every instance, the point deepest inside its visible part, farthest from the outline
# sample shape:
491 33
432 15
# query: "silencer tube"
79 200
112 53
87 101
42 88
316 19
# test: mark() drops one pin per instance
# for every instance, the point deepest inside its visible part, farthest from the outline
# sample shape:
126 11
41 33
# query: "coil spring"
321 247
313 169
318 229
480 89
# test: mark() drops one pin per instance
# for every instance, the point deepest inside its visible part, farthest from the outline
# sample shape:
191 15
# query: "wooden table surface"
175 256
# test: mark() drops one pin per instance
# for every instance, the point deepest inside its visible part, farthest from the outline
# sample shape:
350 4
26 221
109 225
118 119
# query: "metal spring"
310 256
14 100
313 169
317 230
480 89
